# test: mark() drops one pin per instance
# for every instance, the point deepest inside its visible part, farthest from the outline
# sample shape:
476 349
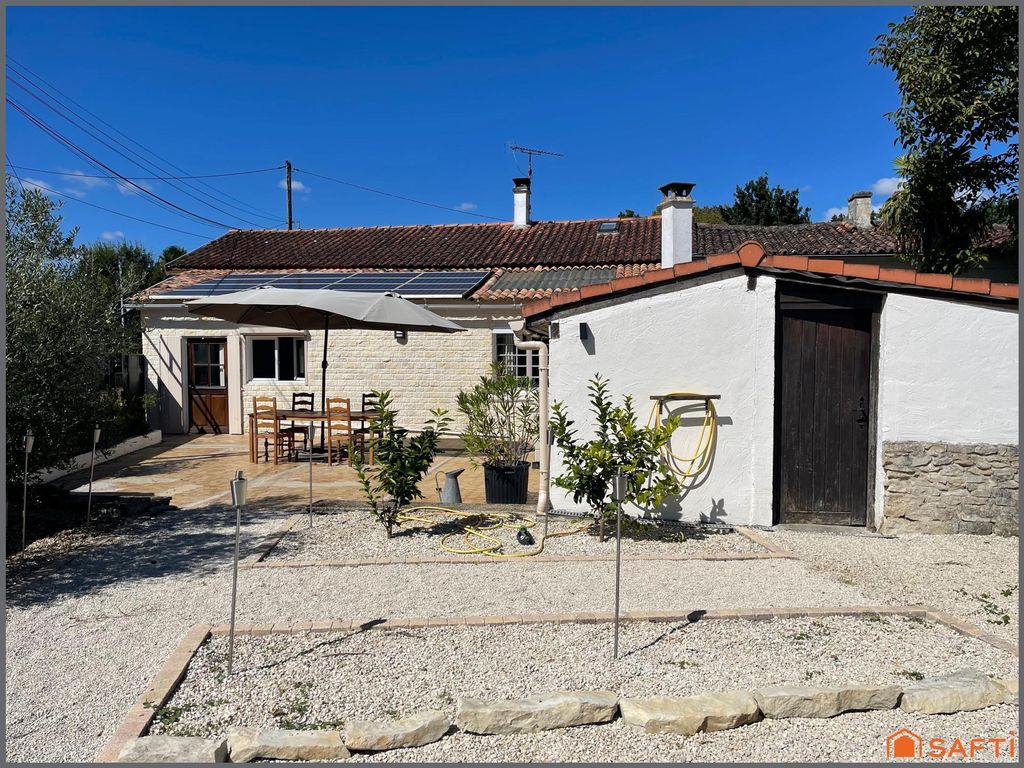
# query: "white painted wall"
714 338
948 372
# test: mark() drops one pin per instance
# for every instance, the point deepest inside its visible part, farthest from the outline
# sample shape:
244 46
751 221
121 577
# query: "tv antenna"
529 156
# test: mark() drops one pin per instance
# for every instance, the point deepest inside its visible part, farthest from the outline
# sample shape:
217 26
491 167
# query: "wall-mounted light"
584 331
400 335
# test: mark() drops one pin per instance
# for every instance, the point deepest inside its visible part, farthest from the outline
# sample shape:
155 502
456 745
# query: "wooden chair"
301 401
361 436
339 427
268 427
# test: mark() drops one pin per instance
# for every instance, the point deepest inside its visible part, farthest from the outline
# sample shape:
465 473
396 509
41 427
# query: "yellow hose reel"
688 467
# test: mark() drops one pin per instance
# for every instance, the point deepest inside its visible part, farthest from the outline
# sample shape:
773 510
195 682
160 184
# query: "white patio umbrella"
313 309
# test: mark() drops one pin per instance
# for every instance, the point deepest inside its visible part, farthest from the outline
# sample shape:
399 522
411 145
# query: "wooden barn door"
823 407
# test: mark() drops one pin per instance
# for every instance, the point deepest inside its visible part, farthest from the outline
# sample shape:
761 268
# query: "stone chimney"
858 210
521 202
676 209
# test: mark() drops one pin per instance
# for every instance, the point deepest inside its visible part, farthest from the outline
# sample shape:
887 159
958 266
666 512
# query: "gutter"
543 448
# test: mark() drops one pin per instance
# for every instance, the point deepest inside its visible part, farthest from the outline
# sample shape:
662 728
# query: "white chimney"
521 201
676 211
858 210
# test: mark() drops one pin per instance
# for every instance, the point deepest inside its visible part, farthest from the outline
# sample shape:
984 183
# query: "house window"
277 359
522 362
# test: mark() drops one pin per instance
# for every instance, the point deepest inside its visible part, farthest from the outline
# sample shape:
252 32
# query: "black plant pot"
506 484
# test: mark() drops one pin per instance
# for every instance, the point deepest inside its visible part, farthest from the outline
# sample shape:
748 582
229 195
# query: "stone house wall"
950 488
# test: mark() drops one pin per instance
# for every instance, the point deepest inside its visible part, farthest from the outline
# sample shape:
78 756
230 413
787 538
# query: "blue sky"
423 103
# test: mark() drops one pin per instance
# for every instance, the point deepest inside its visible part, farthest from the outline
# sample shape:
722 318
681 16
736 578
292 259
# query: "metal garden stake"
312 431
619 493
238 489
92 473
29 442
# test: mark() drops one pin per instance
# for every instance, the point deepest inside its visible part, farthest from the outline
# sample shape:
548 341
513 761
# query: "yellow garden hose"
684 466
474 537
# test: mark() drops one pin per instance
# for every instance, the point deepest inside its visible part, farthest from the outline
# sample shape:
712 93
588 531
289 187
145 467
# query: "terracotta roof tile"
752 255
489 246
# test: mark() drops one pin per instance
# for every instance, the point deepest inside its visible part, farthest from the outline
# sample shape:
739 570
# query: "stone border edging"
257 558
159 692
166 681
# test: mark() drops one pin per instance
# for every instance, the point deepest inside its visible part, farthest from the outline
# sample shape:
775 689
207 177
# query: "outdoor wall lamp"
584 331
400 335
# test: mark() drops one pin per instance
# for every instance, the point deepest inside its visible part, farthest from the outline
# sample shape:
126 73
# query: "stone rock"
691 714
414 731
542 712
961 691
248 744
174 749
779 701
1010 688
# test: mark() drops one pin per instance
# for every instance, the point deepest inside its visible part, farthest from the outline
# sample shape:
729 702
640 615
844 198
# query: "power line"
15 172
147 178
397 197
84 154
46 189
34 81
144 165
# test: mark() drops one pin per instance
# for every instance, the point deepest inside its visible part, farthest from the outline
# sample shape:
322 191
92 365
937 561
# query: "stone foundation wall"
950 488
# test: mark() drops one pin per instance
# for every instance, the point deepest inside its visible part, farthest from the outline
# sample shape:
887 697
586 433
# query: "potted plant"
501 428
619 444
401 461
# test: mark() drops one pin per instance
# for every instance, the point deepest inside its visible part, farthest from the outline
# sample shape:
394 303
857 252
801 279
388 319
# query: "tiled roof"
516 284
490 246
752 256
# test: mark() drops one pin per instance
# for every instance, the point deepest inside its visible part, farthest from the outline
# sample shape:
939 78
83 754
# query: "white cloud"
40 186
466 206
133 189
85 181
297 186
115 235
885 187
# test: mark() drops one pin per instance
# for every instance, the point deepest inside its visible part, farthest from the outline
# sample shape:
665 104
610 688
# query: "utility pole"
288 183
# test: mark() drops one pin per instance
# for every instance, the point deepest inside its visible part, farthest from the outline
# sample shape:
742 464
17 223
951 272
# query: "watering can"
451 494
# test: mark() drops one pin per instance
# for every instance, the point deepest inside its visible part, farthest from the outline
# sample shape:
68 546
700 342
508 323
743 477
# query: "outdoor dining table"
310 416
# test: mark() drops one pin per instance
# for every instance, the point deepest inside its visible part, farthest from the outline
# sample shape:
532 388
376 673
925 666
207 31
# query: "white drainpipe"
543 450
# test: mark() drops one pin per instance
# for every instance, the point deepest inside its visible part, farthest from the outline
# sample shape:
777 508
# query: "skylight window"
608 227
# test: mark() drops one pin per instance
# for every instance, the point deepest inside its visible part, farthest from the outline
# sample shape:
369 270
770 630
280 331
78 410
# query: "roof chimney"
858 210
521 202
676 209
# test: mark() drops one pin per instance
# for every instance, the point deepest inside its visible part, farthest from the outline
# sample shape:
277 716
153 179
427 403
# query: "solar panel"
411 284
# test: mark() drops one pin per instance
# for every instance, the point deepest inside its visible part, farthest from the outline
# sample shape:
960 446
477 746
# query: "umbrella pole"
323 379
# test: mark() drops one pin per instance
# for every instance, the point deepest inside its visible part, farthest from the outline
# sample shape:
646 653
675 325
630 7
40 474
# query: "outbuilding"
850 394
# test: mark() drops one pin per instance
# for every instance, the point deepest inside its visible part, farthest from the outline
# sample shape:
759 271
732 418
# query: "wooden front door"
207 383
823 406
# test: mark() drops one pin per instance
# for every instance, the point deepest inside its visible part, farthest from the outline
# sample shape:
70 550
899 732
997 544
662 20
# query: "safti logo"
905 743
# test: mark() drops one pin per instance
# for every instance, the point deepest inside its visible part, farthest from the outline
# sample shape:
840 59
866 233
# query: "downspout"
543 449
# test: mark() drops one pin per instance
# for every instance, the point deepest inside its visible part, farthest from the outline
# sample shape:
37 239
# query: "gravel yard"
85 636
351 533
972 577
319 681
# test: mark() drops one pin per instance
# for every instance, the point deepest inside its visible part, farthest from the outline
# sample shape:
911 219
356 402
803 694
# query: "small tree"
619 444
756 202
501 417
401 462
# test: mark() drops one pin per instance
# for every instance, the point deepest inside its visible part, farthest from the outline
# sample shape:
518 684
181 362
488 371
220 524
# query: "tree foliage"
957 71
708 214
619 443
401 461
756 202
61 336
